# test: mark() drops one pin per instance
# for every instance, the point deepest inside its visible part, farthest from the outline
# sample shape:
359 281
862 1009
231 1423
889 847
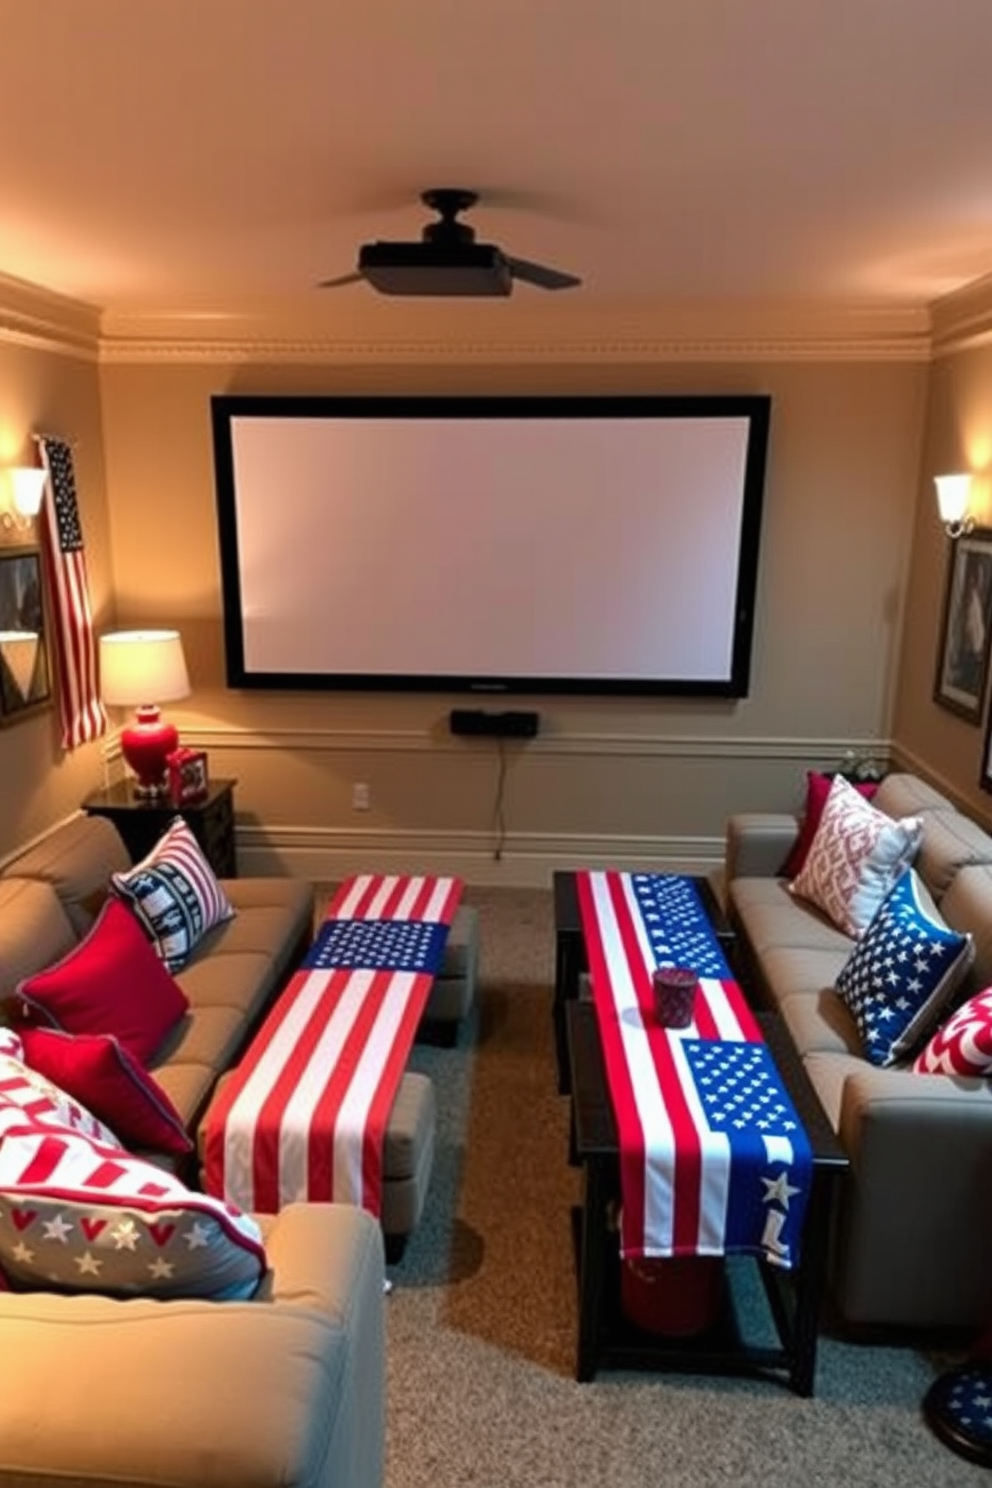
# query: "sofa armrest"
288 1387
758 843
917 1219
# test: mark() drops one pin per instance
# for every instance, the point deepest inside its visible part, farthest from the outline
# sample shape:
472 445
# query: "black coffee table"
606 1338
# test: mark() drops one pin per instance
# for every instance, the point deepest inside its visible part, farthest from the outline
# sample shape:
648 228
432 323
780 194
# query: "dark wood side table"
141 822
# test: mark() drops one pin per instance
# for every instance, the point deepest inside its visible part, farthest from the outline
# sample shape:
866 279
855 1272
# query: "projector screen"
490 544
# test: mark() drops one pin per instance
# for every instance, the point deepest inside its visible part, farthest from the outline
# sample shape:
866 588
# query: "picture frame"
25 656
966 627
188 778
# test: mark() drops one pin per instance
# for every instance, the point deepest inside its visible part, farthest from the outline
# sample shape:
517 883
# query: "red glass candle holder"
674 990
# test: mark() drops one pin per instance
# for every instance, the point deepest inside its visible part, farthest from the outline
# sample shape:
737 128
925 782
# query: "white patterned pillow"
175 895
33 1097
855 857
78 1215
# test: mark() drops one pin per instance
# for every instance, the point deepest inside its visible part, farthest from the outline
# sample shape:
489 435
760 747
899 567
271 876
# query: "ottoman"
453 993
407 1159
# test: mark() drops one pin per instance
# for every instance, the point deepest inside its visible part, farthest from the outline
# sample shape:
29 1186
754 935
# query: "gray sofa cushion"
820 1023
774 918
967 905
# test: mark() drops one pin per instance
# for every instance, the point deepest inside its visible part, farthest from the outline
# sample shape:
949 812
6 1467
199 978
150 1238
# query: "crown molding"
297 333
38 318
963 320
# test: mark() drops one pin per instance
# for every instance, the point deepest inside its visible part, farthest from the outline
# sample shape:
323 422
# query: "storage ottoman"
407 1159
453 993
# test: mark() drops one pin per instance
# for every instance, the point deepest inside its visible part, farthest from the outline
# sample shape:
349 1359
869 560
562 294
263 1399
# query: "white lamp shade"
952 496
28 484
142 666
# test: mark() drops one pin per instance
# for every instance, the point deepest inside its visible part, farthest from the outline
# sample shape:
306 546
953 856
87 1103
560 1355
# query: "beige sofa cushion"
902 794
951 841
967 906
77 860
34 930
164 1389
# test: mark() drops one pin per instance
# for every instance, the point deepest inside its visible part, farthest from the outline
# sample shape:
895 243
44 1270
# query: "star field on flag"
676 924
379 945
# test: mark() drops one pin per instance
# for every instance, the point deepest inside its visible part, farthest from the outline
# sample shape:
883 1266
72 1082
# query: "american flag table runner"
304 1115
713 1157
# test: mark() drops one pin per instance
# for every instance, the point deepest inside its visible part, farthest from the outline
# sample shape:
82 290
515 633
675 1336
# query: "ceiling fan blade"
541 275
352 278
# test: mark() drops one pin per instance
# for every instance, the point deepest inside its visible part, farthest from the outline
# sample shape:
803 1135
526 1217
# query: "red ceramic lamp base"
146 745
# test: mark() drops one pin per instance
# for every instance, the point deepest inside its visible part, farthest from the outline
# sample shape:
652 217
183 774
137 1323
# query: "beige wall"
957 436
621 780
57 391
617 779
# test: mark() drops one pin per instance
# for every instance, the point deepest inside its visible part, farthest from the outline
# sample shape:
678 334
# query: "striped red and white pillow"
962 1045
39 1099
175 894
80 1215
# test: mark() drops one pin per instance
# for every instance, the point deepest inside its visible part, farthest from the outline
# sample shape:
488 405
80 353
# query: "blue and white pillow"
174 894
903 973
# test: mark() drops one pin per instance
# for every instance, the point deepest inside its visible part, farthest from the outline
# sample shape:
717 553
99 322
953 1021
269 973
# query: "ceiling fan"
447 260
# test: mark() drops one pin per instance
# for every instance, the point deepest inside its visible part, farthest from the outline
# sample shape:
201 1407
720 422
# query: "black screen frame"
754 407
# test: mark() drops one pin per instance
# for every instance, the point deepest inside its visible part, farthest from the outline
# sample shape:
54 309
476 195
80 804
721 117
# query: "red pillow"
112 982
96 1069
817 791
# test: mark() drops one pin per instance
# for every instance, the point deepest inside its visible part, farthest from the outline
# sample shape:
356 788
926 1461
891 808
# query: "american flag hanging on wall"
83 714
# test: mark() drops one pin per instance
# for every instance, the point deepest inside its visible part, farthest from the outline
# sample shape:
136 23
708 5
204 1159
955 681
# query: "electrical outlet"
361 796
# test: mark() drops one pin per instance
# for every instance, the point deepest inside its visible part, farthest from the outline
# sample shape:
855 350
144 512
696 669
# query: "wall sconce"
26 484
953 492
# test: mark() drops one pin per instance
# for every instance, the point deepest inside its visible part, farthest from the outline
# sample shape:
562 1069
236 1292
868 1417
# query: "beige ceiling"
168 155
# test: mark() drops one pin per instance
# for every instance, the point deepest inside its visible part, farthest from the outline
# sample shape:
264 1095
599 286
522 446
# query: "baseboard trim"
523 861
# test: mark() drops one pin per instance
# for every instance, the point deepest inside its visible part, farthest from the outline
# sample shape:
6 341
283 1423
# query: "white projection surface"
487 552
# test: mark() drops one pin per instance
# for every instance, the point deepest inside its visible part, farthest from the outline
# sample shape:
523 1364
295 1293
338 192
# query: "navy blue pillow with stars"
903 973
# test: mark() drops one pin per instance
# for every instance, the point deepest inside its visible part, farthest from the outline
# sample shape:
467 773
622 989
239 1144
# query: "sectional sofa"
913 1236
287 1387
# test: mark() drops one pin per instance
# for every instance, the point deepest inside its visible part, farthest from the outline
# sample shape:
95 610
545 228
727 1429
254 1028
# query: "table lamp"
143 668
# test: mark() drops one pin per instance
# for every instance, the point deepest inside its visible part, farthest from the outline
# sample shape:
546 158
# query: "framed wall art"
966 627
25 663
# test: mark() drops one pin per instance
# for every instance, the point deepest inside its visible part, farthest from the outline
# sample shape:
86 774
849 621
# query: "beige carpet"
481 1324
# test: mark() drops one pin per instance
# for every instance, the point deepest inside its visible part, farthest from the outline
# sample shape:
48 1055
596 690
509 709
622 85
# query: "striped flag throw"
304 1116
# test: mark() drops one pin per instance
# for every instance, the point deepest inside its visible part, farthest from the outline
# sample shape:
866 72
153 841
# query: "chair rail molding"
426 740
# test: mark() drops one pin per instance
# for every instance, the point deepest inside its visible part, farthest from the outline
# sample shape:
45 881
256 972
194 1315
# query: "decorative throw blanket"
304 1115
713 1157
